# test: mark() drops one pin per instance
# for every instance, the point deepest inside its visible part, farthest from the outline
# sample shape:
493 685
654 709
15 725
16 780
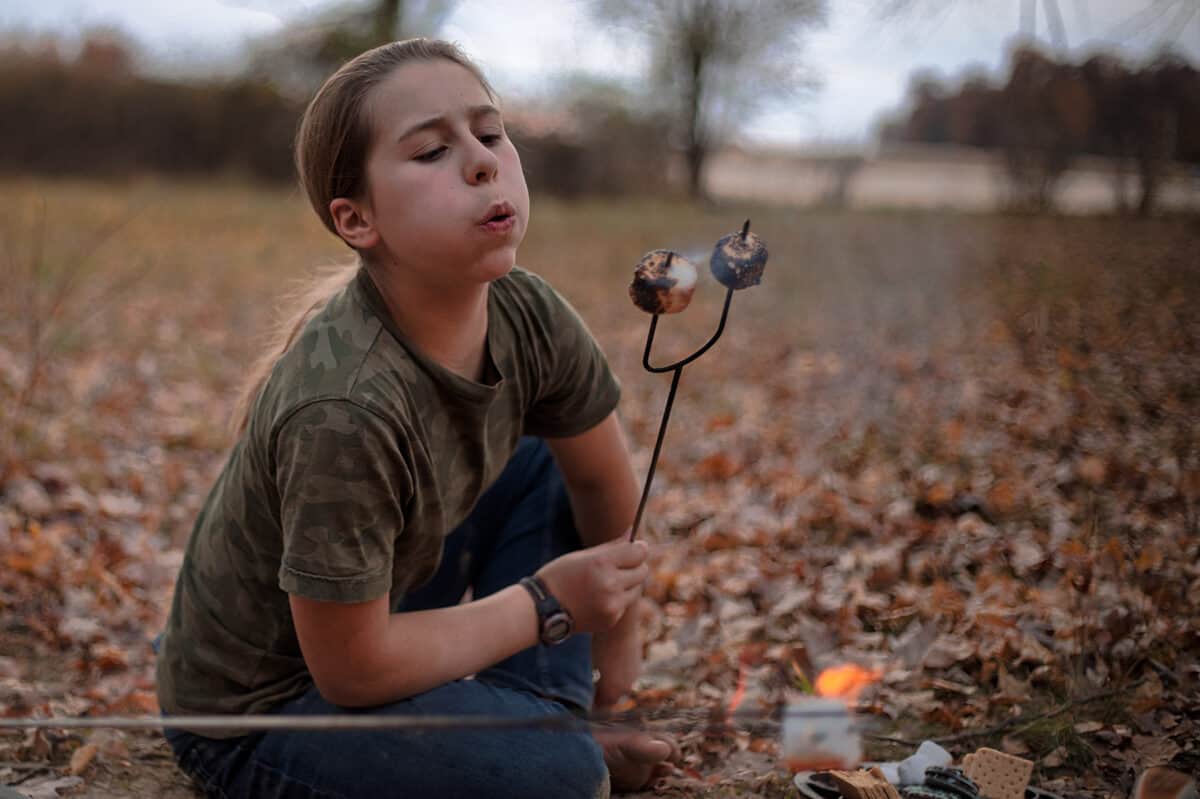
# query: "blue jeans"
521 522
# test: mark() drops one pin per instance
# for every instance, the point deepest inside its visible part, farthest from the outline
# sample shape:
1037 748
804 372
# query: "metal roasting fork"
677 372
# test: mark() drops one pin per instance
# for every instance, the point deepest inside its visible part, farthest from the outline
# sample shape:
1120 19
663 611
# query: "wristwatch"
555 623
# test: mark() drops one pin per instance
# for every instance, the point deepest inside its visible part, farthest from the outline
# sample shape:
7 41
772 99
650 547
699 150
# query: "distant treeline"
1048 112
94 115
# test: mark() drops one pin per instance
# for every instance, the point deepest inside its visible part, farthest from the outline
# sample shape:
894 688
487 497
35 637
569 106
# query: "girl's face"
446 197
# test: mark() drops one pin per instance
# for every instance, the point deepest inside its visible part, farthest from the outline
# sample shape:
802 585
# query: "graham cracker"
999 776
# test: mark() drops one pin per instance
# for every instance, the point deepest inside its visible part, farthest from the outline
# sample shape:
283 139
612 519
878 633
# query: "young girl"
443 422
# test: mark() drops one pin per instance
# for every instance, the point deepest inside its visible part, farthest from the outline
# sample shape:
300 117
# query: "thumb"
629 555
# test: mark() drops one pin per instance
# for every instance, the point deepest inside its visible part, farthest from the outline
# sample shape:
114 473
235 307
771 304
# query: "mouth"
498 215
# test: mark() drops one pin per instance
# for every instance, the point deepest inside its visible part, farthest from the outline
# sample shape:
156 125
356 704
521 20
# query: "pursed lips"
498 212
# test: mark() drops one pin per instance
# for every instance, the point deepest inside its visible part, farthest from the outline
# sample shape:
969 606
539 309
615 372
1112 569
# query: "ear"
353 222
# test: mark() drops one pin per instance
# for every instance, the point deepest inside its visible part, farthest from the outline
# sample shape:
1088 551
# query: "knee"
584 772
572 765
590 763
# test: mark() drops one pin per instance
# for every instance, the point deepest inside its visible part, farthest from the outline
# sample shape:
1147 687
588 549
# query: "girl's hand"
598 584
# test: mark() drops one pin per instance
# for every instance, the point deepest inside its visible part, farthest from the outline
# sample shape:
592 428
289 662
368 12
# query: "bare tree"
1048 113
717 61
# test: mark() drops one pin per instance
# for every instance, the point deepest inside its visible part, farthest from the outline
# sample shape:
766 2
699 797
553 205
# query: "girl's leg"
516 763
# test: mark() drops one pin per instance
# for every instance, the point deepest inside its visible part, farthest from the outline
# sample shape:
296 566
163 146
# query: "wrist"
555 622
526 618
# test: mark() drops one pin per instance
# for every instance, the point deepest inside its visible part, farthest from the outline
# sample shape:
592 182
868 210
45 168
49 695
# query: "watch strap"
549 610
538 590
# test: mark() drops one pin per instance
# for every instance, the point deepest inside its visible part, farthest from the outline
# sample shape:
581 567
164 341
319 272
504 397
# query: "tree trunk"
696 156
697 139
1149 172
1120 184
1157 145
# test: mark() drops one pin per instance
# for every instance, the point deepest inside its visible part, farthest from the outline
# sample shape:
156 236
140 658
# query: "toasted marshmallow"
663 282
738 259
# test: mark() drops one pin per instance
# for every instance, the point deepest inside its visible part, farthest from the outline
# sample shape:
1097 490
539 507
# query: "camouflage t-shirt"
360 456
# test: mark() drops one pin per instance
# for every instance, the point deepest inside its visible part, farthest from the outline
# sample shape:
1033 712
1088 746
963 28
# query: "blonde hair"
331 148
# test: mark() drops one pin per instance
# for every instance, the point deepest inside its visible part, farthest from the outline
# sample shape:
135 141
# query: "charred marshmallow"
738 259
663 282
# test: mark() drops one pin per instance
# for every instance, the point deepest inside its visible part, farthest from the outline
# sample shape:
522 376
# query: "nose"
481 164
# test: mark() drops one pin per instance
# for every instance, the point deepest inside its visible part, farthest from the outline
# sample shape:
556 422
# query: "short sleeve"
343 483
578 389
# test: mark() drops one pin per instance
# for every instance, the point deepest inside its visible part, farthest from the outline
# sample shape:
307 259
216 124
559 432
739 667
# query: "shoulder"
340 356
338 437
329 353
333 417
340 451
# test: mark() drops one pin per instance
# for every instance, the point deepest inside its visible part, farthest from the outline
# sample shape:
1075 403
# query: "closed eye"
431 155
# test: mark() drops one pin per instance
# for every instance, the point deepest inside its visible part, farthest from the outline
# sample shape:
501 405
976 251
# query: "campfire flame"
845 682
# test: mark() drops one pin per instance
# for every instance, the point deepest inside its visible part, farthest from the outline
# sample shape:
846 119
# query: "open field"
963 449
925 177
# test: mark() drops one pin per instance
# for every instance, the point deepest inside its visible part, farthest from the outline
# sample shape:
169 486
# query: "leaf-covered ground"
961 449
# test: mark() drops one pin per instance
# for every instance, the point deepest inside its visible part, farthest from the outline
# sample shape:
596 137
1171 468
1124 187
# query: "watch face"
557 627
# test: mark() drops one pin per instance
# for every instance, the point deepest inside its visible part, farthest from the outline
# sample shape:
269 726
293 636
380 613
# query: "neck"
449 324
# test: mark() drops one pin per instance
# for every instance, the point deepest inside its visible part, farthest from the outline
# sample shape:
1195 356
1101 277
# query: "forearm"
617 655
600 481
604 511
423 649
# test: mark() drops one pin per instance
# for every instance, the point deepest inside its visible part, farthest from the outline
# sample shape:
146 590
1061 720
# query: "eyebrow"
473 112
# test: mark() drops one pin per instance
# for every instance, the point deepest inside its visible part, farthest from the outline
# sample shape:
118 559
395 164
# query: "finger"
628 578
627 555
630 596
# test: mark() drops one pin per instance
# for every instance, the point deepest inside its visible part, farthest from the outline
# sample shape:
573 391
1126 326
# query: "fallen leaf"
1149 559
1149 695
1014 746
138 701
81 758
948 650
717 466
1154 750
1055 759
51 788
1012 689
1092 470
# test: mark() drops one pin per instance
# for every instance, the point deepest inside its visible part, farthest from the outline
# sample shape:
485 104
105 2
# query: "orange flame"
845 682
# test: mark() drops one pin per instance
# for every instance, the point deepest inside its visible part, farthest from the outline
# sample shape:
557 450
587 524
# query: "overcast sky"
863 61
